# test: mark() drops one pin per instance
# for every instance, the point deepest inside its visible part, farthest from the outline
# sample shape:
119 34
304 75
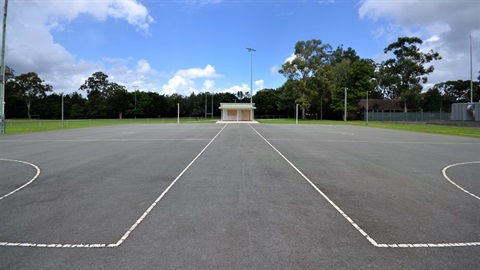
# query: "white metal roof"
237 106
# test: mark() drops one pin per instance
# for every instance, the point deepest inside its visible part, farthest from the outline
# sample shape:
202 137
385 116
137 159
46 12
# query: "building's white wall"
240 115
226 117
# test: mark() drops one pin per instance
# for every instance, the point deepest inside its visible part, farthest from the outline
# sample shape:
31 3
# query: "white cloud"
143 67
30 45
179 85
184 81
193 73
259 85
274 69
290 58
444 26
237 88
208 85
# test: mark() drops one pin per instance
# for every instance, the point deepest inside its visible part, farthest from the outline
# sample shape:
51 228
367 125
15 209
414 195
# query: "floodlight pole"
2 63
471 71
251 50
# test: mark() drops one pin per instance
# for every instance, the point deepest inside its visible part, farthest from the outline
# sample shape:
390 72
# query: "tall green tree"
358 80
117 100
266 102
31 88
309 57
433 100
96 87
403 74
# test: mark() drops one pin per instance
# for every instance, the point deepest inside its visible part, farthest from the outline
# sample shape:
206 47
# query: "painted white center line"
358 228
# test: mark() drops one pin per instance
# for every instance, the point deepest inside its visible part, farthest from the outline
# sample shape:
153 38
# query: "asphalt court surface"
239 204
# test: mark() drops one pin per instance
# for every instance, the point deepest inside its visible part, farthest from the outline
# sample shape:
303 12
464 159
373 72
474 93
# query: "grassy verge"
16 126
26 126
433 129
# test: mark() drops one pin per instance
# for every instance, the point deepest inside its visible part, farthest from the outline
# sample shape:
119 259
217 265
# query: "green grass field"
26 126
16 126
433 129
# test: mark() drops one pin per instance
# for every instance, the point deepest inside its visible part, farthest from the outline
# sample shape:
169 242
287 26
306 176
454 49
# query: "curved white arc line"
26 184
444 172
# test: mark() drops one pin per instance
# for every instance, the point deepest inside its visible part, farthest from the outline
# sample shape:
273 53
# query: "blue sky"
200 45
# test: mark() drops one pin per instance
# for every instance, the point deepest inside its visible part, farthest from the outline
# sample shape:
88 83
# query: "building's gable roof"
237 106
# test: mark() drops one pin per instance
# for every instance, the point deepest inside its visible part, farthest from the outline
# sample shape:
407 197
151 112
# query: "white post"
62 111
367 107
178 113
345 106
296 114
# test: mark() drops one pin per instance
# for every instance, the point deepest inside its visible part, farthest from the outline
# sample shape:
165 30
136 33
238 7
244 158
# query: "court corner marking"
126 234
359 229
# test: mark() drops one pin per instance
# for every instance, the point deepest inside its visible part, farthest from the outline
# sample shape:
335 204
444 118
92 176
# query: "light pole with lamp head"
251 50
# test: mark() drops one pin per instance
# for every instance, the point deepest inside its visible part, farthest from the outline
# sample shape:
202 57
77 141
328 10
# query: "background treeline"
316 80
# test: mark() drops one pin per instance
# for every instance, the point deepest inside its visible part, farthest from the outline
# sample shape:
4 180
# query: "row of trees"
316 80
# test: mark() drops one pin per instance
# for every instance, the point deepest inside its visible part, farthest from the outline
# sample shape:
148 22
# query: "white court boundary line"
26 184
358 228
130 230
444 171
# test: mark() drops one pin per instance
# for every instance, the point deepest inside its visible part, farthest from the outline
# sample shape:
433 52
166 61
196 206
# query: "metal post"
212 105
471 71
135 93
251 50
178 113
345 106
296 114
2 83
206 105
62 111
367 107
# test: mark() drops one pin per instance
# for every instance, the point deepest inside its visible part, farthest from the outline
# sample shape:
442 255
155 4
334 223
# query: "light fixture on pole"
251 50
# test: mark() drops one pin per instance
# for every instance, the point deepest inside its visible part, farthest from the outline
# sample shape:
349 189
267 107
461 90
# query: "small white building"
237 111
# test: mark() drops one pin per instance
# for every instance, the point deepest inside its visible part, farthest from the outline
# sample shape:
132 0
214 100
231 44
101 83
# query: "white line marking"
105 140
26 184
375 142
444 171
125 236
132 228
321 192
360 230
